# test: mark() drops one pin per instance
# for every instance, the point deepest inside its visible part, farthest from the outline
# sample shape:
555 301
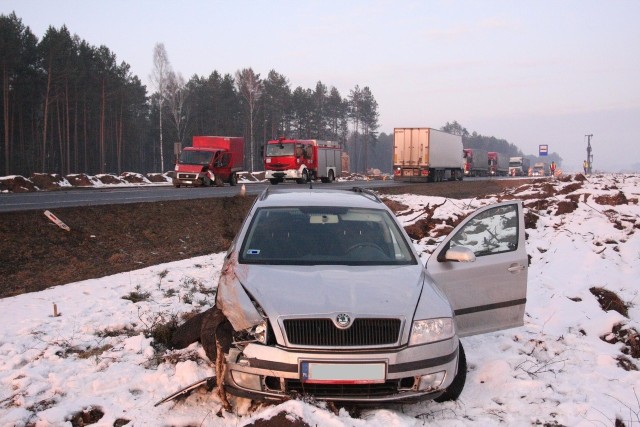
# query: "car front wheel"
453 391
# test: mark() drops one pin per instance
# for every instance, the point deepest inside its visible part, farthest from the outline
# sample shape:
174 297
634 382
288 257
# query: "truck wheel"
305 177
233 179
454 390
274 181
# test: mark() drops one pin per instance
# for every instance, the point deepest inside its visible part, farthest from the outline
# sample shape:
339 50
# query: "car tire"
453 391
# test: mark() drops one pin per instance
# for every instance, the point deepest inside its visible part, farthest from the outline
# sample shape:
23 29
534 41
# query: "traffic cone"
243 190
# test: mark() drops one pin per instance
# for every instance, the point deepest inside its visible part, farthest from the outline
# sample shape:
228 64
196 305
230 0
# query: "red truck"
498 164
211 160
302 160
476 162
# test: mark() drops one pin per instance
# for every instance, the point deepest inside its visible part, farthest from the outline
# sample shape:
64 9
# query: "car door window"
491 232
488 293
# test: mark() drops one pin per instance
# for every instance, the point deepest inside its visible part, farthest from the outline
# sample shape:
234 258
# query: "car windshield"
324 235
274 150
191 157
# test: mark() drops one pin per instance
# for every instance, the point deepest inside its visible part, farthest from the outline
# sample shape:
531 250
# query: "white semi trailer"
426 155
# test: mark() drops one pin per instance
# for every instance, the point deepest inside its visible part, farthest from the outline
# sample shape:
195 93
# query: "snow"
554 370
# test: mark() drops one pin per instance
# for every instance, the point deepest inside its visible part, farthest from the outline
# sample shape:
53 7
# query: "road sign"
543 150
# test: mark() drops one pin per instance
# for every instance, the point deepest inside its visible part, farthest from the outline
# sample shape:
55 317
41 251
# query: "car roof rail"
264 194
370 194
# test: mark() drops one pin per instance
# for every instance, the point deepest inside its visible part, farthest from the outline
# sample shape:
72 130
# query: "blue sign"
543 150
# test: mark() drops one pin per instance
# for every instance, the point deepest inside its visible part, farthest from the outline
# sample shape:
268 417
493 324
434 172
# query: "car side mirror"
460 254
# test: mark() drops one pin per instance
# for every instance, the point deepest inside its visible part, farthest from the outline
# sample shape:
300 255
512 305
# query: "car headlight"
431 330
259 332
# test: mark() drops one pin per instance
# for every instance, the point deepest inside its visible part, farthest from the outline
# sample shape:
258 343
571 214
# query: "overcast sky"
530 72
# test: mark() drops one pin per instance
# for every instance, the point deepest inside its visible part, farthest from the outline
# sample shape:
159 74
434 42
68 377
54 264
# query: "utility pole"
589 155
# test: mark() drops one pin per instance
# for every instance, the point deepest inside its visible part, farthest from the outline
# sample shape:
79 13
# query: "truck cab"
302 160
202 167
211 160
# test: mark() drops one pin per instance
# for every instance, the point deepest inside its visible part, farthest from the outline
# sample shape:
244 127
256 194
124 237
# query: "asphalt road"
15 202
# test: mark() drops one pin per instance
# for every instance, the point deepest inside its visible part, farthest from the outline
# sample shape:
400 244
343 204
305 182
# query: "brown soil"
36 254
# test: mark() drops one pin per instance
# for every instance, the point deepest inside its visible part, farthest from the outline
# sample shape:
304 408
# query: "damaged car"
323 294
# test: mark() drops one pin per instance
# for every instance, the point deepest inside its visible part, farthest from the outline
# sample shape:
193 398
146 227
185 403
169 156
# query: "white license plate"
343 373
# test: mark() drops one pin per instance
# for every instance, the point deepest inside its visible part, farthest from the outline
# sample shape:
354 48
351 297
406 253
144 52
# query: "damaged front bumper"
366 376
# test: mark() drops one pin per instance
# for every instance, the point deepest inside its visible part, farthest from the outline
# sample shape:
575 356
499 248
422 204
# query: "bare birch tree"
250 88
159 78
177 94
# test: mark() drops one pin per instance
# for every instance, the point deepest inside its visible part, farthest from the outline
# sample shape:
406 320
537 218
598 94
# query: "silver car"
326 296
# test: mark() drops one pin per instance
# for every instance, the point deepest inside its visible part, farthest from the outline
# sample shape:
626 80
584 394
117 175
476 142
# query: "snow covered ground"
97 354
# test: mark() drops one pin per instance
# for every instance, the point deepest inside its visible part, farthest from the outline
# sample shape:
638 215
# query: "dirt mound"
109 179
566 206
46 181
395 206
614 200
80 180
16 184
52 181
157 178
134 178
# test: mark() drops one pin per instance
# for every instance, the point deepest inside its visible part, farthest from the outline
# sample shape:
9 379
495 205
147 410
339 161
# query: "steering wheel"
365 245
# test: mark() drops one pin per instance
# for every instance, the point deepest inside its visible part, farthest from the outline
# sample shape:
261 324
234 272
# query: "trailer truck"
426 155
519 166
541 169
302 160
498 164
210 160
475 162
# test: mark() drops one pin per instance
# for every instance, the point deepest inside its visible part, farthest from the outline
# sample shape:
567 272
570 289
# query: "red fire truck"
212 159
302 160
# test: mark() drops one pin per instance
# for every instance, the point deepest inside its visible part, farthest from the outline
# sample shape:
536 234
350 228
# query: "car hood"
290 291
185 167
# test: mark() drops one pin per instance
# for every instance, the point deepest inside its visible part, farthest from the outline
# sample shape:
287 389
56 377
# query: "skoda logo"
343 320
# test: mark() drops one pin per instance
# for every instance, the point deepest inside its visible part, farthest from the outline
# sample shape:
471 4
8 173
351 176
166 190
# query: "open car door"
482 268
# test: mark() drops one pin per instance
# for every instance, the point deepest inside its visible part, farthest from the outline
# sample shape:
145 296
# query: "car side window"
490 232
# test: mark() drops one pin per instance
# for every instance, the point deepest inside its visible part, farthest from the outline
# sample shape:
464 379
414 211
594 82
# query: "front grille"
187 176
324 333
343 390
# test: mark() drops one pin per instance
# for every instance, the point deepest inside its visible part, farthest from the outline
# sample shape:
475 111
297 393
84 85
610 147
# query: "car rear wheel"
454 390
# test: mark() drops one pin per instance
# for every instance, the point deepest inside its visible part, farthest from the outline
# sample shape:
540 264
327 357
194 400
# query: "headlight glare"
431 330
